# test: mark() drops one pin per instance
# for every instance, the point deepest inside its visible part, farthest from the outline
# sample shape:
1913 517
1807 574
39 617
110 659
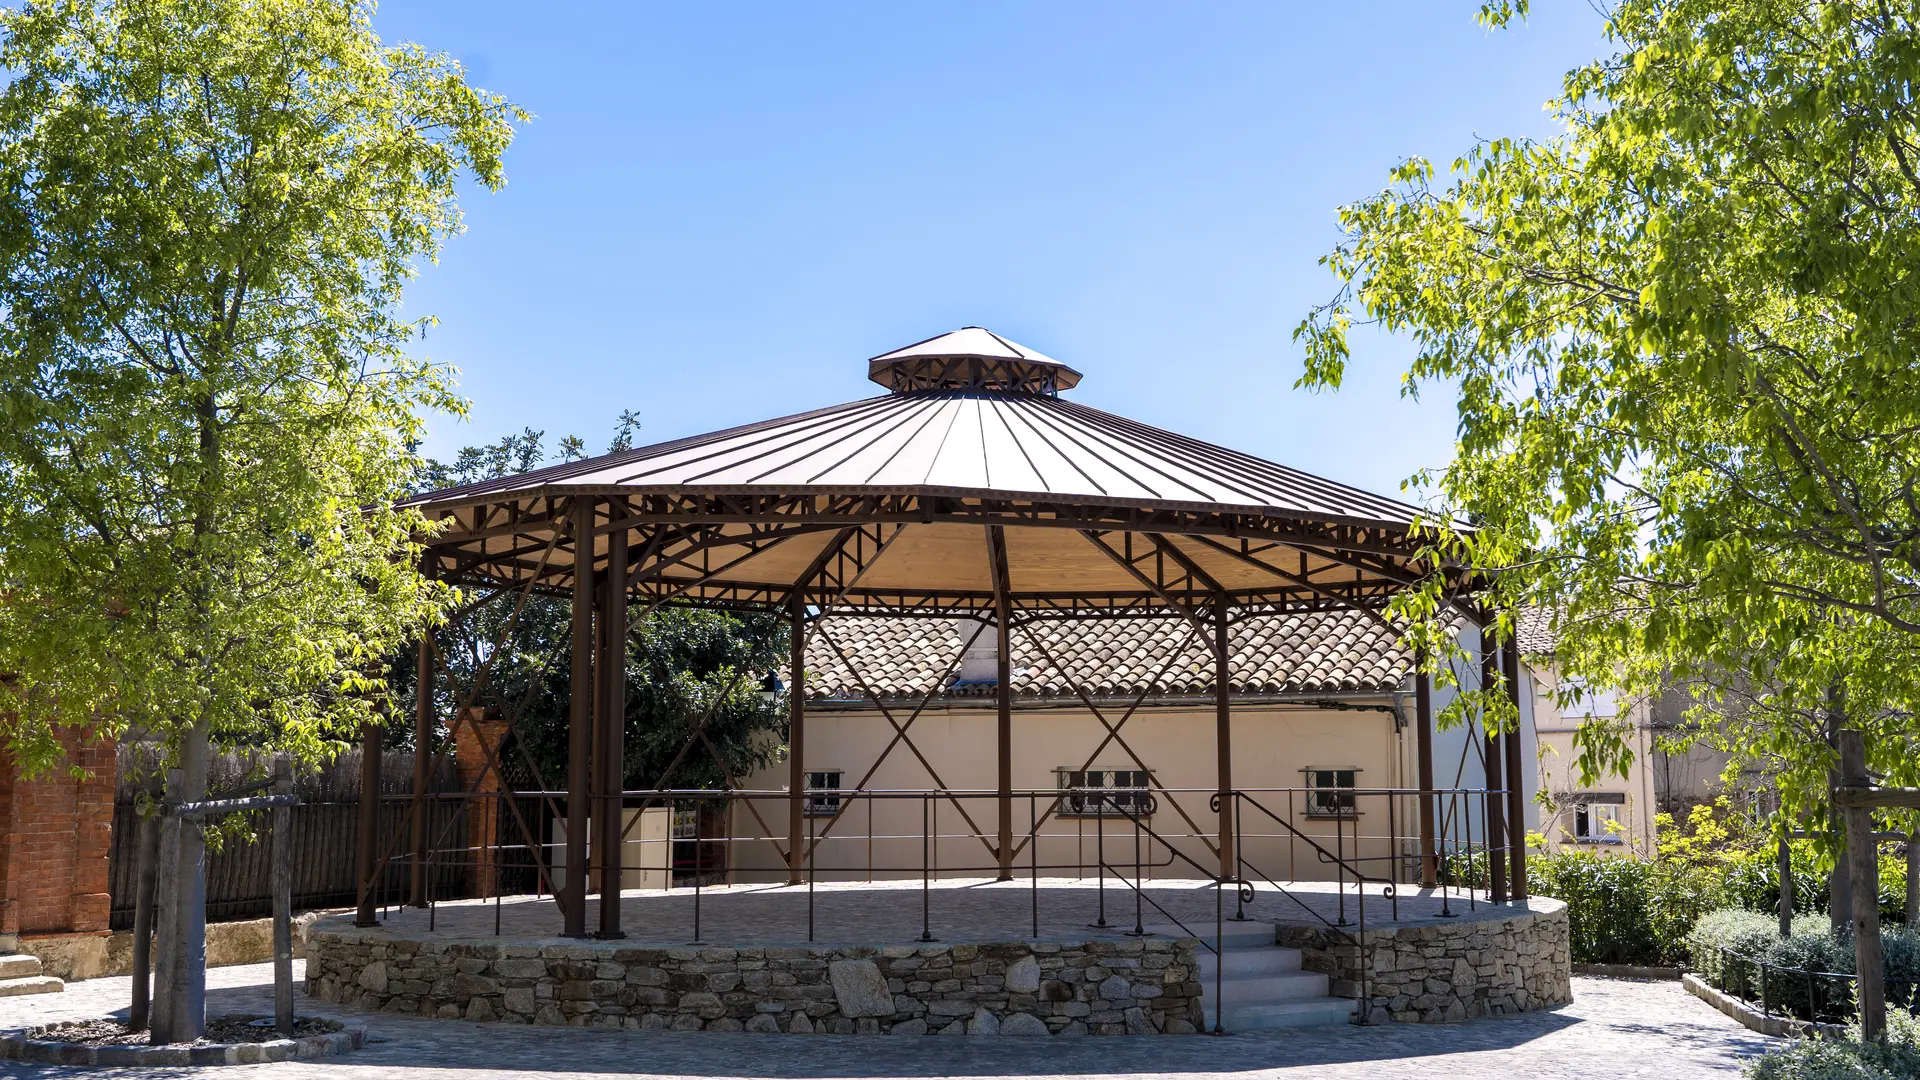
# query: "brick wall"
483 814
54 835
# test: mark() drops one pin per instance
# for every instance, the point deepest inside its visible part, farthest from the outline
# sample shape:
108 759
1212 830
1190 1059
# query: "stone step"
31 984
19 966
1273 960
1233 935
1317 1012
1259 989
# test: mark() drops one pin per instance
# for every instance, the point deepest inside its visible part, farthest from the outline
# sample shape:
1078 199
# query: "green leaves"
212 207
1684 341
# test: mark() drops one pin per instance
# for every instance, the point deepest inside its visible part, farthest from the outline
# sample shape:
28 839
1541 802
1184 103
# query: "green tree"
1683 337
211 209
683 665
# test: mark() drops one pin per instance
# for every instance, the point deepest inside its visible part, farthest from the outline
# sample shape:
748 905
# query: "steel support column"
417 884
579 723
1223 735
1516 779
372 738
796 737
1423 748
1492 763
1003 694
610 755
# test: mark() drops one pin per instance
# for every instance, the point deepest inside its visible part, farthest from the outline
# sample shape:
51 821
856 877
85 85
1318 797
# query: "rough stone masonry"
1143 986
1436 972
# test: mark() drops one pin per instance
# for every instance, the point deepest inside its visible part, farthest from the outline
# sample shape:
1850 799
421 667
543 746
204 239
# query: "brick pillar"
54 835
484 813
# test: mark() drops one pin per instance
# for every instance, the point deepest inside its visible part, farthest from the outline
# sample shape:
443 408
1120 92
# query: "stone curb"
1627 971
1753 1018
19 1044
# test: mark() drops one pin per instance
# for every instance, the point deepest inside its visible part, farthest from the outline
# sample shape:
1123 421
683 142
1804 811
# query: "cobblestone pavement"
958 910
1614 1030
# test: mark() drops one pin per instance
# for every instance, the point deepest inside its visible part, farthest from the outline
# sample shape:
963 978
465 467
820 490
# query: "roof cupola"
970 358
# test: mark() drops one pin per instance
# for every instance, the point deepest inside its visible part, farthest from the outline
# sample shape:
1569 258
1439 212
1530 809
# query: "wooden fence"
325 839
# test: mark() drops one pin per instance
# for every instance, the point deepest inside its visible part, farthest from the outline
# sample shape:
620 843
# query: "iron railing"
1821 997
1340 845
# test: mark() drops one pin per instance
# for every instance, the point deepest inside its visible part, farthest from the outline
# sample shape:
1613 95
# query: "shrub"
1846 1059
1742 953
1629 910
1626 910
1753 882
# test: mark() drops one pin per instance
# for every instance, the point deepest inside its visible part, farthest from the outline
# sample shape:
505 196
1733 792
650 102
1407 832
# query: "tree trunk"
1913 880
1839 885
140 1007
180 981
1786 888
1863 858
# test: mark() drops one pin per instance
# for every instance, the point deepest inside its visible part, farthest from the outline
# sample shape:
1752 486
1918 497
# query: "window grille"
686 824
1330 793
823 781
1105 792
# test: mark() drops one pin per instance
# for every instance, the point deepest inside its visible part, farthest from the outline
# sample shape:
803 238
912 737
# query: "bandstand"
971 487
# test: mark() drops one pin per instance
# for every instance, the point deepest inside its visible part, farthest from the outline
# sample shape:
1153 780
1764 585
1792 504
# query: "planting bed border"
1755 1020
20 1044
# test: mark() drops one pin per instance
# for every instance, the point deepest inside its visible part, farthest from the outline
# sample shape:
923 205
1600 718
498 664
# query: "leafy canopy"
683 665
1683 337
210 210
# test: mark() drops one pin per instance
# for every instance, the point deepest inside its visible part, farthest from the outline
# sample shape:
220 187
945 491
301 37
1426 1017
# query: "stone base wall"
1147 986
1435 973
74 957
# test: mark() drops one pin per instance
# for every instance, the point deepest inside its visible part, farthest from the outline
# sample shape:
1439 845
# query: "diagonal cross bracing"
900 730
1113 731
900 735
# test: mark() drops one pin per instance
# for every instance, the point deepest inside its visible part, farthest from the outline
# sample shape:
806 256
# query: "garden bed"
229 1040
1806 976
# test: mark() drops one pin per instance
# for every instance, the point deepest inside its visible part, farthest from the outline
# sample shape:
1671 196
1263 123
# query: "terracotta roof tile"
1536 631
1344 651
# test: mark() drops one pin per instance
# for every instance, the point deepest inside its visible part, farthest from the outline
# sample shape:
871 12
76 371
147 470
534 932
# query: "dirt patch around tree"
220 1029
243 1039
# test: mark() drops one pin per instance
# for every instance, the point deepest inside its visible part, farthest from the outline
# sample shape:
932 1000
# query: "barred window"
1105 792
824 781
1330 792
686 824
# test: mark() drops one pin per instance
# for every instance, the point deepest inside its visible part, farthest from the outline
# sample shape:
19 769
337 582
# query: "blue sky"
721 209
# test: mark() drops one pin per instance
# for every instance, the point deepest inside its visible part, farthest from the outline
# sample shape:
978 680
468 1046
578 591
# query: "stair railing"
1137 806
1363 949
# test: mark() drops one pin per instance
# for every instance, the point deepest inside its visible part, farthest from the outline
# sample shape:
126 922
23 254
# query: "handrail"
1325 855
1811 977
1127 805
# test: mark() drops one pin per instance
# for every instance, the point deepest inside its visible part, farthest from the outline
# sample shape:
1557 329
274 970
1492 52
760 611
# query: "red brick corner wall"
55 831
480 737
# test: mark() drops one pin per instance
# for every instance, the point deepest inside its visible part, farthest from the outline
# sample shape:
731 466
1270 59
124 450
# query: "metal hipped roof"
972 482
962 442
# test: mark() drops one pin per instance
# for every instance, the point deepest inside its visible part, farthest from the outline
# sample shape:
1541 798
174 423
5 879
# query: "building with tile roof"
1325 654
1320 699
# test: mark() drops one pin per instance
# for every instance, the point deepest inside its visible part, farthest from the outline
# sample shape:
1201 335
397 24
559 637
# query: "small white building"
1323 705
